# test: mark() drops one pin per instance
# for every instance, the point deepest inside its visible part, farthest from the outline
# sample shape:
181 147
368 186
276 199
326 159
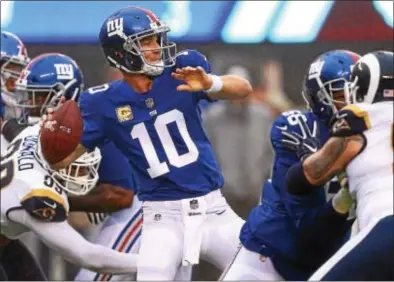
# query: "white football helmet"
80 177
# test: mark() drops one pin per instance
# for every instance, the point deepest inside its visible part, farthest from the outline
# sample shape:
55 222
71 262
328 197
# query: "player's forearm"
233 88
88 203
332 159
323 165
61 237
106 200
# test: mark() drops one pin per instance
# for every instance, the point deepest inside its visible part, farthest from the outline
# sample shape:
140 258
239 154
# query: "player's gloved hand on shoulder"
305 144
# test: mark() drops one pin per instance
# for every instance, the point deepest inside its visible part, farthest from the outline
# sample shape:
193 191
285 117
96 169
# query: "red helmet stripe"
150 14
39 57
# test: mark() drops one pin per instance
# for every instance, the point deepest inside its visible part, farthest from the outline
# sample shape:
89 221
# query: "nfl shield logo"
194 204
149 103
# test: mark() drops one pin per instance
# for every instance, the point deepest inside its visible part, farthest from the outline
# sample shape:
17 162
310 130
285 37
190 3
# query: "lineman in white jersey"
361 144
34 198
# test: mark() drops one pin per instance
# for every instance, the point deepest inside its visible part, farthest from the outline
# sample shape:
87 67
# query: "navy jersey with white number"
295 231
160 132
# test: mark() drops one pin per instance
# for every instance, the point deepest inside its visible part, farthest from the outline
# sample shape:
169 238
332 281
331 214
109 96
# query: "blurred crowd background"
270 43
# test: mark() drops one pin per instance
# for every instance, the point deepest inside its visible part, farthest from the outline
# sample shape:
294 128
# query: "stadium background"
270 42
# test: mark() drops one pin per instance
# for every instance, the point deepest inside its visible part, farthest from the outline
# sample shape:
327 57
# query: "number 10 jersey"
160 132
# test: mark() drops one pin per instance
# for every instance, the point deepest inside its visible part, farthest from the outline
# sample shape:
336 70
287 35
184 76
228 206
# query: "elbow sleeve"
296 181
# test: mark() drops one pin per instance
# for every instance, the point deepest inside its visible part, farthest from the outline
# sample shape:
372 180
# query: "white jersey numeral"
157 168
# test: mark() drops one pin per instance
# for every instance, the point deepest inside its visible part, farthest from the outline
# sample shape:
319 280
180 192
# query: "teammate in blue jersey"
13 59
152 116
2 111
288 237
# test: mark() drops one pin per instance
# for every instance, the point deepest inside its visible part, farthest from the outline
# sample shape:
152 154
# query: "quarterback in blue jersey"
152 116
286 236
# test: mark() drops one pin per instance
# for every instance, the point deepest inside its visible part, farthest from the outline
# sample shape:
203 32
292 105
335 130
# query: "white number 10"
157 168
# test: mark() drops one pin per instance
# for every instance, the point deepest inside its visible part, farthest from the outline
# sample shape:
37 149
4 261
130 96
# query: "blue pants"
367 256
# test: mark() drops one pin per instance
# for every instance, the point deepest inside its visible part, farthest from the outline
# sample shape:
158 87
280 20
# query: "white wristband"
217 84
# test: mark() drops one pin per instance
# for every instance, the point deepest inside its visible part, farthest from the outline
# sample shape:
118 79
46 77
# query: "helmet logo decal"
64 71
115 27
315 69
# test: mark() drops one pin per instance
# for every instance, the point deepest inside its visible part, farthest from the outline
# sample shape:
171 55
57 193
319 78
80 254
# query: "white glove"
342 201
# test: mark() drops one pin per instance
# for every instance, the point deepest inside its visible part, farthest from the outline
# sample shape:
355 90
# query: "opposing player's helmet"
372 79
80 177
45 80
328 74
121 35
12 61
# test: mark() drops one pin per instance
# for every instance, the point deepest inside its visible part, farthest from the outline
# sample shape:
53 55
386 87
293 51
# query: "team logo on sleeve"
124 113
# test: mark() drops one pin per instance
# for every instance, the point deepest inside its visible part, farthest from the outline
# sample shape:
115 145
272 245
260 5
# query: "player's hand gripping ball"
61 134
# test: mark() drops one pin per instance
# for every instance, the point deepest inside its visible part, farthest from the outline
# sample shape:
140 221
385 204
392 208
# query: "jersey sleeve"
287 121
45 204
120 174
93 130
193 58
350 120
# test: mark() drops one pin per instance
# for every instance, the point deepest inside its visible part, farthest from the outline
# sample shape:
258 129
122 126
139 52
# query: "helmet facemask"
351 89
325 97
10 70
35 99
81 176
167 49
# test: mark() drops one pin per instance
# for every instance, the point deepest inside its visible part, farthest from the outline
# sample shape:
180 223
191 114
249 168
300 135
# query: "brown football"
61 136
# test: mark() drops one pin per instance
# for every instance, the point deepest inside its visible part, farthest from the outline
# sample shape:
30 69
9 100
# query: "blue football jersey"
160 132
2 107
293 230
115 168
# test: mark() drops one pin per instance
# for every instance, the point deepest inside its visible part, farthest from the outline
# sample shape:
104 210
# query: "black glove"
305 144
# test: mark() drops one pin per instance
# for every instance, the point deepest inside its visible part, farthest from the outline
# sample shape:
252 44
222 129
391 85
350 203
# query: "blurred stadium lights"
190 21
300 21
385 9
282 22
259 15
178 17
6 12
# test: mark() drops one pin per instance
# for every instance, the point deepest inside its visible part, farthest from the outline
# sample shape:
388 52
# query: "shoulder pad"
350 120
12 128
45 205
192 58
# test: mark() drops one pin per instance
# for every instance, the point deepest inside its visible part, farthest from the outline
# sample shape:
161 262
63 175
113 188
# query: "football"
60 136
